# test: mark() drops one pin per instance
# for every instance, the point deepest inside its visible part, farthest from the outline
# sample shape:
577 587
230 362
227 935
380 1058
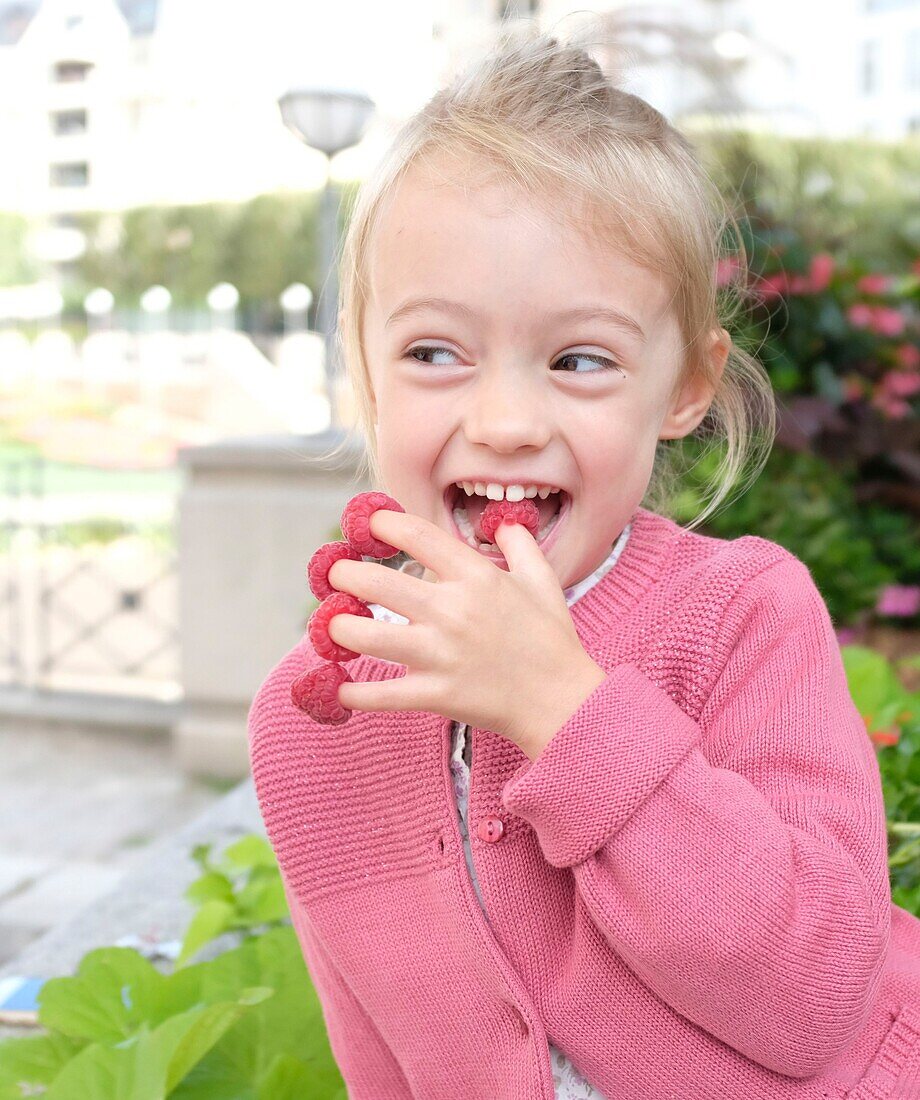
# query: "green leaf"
872 681
36 1060
148 1066
262 902
250 851
209 1026
201 855
289 1023
211 920
211 886
101 1002
291 1079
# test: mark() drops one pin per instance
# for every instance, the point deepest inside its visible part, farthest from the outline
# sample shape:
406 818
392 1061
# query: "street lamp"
329 120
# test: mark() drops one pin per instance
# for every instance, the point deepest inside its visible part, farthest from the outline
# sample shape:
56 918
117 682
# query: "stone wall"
251 513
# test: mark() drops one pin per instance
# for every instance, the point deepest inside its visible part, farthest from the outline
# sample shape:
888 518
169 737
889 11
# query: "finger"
396 642
375 583
423 540
412 691
521 550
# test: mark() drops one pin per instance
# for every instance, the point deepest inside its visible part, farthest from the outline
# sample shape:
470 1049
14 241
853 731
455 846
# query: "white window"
69 122
75 174
912 74
871 51
70 72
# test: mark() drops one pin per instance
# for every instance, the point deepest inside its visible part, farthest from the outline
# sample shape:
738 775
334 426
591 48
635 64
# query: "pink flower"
901 383
899 600
887 322
893 407
847 635
859 315
819 274
874 284
774 286
908 356
726 270
800 284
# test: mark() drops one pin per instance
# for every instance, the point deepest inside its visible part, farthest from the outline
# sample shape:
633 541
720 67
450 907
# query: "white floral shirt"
569 1083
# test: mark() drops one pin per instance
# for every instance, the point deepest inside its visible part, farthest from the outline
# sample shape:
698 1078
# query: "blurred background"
176 178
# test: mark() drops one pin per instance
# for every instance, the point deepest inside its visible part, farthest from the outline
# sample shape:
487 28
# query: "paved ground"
78 810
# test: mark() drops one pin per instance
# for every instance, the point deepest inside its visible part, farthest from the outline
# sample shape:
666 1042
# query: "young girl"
604 821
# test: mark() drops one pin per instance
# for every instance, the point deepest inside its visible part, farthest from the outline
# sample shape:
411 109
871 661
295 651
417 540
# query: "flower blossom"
901 600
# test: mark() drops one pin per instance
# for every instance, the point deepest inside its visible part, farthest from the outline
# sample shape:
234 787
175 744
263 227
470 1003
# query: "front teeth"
494 491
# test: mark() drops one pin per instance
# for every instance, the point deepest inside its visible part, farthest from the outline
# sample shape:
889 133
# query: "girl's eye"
412 352
604 363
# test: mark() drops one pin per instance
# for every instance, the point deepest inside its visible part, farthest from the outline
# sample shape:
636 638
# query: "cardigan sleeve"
746 885
366 1063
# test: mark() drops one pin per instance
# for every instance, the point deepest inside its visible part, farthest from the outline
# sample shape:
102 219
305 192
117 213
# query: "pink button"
491 829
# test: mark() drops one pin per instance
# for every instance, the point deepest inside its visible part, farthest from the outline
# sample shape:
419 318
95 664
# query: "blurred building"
833 68
109 104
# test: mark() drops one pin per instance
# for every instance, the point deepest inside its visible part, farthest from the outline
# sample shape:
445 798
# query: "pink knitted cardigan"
690 892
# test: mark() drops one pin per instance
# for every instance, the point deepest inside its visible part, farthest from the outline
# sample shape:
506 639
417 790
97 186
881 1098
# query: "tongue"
476 505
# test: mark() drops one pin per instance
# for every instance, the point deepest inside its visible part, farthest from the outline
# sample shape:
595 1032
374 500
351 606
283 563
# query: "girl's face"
493 382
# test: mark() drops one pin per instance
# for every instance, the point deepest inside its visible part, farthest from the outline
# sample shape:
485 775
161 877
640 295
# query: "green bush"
853 550
892 717
247 1023
856 196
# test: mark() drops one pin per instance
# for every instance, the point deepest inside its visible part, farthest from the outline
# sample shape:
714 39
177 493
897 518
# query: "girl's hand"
495 649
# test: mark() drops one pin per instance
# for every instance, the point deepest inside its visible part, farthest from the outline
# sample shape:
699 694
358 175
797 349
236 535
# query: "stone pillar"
251 513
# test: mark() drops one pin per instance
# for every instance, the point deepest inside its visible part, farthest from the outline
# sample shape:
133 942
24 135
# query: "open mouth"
553 513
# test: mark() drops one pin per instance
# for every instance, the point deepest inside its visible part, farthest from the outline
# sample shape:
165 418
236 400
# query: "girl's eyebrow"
579 313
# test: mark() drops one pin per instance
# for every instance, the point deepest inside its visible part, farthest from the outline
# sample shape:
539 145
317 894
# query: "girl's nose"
505 413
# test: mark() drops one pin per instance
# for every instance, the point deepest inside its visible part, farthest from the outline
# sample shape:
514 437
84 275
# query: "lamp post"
329 120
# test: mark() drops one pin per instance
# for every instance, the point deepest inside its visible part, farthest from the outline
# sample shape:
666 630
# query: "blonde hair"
544 116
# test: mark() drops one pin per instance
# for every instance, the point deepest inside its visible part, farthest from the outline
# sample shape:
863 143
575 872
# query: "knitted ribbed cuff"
600 766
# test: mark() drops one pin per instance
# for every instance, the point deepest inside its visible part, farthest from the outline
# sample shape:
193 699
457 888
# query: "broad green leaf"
211 886
205 1032
103 1001
250 851
871 679
291 1022
148 1065
291 1079
261 902
36 1059
211 920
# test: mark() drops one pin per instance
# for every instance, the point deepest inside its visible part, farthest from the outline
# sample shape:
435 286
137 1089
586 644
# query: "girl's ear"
719 347
690 404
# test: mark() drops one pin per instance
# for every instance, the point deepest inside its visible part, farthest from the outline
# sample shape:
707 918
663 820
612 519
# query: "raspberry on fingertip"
355 523
316 693
321 562
339 603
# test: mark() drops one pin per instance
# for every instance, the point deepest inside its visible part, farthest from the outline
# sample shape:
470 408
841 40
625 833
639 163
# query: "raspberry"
339 603
356 524
319 565
316 692
509 511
